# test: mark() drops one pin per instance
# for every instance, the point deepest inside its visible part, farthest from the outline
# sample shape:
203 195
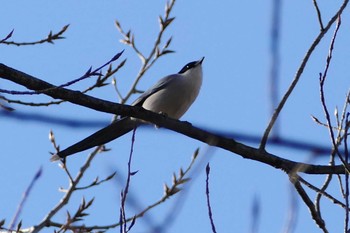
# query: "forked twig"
314 213
323 99
65 199
156 52
51 37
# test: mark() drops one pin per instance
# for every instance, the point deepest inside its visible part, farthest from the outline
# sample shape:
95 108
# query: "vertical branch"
207 171
346 174
275 57
124 192
340 123
323 99
330 128
156 52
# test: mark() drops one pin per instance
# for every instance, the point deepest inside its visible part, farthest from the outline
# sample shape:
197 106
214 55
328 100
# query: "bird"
171 96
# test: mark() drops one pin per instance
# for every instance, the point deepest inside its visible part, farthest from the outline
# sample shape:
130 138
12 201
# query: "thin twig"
315 215
124 193
318 14
147 62
25 198
7 37
340 137
322 193
168 192
88 74
99 83
65 199
78 215
97 182
49 39
346 225
210 214
323 99
323 188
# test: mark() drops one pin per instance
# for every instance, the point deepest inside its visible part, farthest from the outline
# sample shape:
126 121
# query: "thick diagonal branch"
213 139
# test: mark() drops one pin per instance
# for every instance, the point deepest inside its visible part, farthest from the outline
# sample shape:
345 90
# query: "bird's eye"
187 67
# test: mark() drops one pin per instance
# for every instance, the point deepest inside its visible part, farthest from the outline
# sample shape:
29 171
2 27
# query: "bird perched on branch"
171 95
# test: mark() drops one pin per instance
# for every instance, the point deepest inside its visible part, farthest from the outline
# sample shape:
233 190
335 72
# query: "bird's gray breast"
174 98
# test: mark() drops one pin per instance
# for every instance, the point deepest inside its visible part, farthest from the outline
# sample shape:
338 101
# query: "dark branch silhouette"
185 128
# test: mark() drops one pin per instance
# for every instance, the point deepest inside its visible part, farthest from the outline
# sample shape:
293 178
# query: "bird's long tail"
107 134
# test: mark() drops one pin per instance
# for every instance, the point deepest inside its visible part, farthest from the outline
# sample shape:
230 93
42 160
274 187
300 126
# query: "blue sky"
234 37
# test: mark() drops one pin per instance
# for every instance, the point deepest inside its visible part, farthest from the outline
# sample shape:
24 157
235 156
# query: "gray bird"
171 95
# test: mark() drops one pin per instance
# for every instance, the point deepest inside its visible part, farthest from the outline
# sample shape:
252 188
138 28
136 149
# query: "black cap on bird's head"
191 65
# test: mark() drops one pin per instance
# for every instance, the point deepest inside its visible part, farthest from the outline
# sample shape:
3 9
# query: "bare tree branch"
299 73
181 127
315 215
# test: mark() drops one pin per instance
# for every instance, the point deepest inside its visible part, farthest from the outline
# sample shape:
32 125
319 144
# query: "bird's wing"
107 134
161 84
117 128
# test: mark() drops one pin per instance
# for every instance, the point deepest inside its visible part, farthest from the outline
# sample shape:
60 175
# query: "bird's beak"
200 61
